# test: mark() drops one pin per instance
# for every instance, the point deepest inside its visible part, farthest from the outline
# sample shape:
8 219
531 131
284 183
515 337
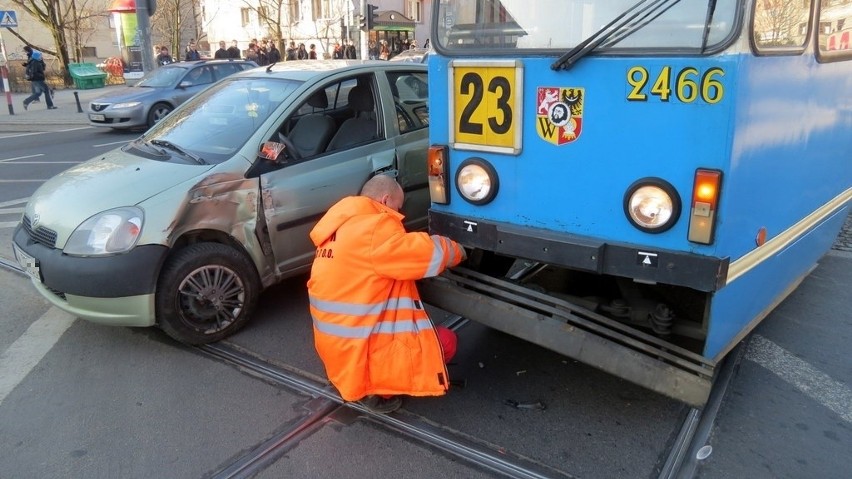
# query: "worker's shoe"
380 405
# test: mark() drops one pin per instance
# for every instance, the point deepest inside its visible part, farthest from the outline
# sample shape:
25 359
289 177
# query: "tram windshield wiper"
171 146
623 25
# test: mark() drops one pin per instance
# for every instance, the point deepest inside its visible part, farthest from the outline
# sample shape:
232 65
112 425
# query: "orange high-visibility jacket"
370 328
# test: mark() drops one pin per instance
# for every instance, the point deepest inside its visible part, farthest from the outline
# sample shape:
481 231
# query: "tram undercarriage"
649 334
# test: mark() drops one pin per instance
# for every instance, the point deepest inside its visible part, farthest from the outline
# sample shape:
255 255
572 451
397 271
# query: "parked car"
159 92
184 226
415 55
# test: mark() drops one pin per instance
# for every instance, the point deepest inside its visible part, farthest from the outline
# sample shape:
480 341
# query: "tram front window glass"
465 25
782 24
835 29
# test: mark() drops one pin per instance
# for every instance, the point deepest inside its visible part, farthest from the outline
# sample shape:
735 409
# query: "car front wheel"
157 113
206 292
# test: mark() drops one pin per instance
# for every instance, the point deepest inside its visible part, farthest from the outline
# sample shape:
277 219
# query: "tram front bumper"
703 273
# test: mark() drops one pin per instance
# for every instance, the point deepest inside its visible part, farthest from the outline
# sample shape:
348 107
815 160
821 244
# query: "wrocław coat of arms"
559 114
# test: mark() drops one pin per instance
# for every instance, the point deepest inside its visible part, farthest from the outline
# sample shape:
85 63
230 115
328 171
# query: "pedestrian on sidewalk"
34 72
371 330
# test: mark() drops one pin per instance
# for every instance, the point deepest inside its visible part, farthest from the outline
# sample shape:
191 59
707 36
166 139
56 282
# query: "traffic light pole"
144 10
365 34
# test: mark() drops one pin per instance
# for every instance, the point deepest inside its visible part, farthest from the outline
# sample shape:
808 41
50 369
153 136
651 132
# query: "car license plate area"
27 262
96 117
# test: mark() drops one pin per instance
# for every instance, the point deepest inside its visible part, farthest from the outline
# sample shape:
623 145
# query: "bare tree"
276 17
174 21
328 18
83 23
53 14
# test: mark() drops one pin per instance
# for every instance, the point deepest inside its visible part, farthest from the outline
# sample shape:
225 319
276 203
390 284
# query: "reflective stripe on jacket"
370 328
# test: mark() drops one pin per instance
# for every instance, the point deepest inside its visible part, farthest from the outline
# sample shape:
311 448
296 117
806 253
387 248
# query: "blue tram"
639 182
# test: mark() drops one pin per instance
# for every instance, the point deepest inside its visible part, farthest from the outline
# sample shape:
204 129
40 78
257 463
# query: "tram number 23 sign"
485 105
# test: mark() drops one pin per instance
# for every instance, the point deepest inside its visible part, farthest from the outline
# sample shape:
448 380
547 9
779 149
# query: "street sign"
8 18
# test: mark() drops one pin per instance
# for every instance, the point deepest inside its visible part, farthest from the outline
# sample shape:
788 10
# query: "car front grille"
98 106
40 234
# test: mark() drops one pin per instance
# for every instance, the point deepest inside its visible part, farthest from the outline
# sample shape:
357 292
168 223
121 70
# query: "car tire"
205 293
158 112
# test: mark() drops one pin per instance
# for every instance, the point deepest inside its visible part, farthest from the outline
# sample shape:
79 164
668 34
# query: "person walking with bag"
34 72
371 330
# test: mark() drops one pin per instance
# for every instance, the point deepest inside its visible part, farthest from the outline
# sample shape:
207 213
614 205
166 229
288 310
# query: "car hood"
127 94
110 181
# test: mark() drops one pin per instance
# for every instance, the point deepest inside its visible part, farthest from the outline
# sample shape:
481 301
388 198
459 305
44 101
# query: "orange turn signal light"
705 199
436 167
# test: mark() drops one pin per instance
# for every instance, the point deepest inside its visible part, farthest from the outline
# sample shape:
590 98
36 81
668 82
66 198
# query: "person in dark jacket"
192 52
274 53
222 52
164 58
234 50
302 52
291 52
35 73
350 51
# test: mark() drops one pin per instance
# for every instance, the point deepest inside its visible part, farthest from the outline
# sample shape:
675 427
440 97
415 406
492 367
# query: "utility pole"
364 35
144 10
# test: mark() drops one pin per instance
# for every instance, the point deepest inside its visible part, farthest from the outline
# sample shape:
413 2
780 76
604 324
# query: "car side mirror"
185 84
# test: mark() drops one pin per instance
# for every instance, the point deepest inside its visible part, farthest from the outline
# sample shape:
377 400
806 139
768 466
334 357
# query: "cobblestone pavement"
844 239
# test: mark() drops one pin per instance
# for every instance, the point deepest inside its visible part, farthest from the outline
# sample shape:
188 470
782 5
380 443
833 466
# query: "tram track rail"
326 406
11 266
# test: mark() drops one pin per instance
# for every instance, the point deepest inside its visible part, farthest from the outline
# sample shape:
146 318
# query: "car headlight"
652 205
108 232
476 181
127 104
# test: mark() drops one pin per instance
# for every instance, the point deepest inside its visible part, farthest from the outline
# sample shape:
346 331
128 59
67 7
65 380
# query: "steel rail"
485 456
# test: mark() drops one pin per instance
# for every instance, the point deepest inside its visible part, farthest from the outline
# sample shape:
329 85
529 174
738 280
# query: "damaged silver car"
186 225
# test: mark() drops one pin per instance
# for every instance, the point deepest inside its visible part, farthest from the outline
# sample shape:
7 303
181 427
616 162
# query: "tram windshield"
695 26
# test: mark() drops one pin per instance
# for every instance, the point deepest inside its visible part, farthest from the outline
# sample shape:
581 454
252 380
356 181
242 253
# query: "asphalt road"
83 400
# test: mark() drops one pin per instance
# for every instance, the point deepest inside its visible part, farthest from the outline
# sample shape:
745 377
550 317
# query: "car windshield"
162 77
465 26
217 122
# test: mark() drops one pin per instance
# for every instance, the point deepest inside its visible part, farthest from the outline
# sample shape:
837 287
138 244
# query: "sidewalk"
39 118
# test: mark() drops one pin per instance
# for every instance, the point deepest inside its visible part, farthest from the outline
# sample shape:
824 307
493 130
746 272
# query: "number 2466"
688 85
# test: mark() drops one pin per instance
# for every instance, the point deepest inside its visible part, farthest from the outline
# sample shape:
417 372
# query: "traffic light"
371 16
362 22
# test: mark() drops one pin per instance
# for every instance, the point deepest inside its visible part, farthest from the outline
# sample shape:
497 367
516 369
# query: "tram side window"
781 26
835 30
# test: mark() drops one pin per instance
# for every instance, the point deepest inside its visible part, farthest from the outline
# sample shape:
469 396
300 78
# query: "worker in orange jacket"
370 328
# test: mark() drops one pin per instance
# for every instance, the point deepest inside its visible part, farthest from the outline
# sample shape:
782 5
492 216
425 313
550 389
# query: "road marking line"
46 132
8 224
816 384
14 202
26 352
44 162
8 211
21 158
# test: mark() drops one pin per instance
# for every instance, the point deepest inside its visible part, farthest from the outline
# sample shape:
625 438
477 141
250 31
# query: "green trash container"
86 75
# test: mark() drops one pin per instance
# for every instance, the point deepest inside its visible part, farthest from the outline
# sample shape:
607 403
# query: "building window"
295 11
89 52
262 14
319 9
244 15
413 11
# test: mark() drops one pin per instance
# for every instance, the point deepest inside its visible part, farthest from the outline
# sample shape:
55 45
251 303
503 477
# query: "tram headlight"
476 181
652 205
